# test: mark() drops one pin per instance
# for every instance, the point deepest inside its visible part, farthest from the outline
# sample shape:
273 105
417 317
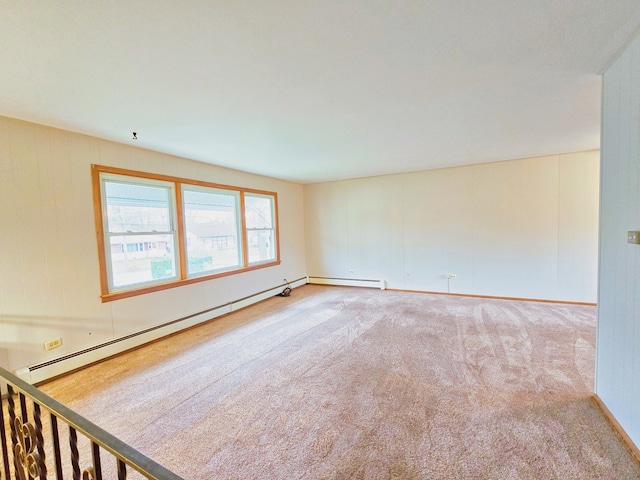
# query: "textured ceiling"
317 90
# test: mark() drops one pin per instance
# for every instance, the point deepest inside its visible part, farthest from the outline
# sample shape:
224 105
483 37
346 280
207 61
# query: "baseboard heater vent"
43 371
347 282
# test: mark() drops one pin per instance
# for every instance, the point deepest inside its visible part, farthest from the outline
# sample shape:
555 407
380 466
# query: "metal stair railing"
27 456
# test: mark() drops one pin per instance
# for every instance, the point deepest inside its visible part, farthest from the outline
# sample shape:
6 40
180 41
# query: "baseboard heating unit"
46 370
347 282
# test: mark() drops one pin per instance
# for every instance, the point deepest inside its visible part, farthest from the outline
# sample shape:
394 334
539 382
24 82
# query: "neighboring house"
206 235
124 247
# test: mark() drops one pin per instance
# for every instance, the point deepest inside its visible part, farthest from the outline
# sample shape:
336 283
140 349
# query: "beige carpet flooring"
347 383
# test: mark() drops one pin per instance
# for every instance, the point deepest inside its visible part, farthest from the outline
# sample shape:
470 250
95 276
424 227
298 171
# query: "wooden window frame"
181 266
172 228
248 229
240 249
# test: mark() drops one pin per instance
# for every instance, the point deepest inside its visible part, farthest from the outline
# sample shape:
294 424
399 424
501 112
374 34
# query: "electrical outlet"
51 344
450 276
633 237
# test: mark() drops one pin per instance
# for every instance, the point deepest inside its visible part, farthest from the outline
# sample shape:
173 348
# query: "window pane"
261 246
137 208
260 227
258 211
141 258
211 224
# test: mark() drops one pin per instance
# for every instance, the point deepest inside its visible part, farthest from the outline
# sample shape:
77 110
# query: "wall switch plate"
633 237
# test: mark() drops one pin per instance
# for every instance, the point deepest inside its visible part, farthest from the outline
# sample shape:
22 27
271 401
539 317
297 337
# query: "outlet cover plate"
51 344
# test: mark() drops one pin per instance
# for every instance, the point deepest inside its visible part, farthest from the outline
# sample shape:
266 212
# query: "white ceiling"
317 90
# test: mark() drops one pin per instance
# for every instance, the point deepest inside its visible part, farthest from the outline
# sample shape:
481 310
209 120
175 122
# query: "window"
259 216
157 232
138 212
209 214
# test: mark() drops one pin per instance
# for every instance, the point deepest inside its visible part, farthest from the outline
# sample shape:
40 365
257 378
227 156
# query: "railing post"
75 456
42 465
56 446
3 438
122 470
97 467
12 424
26 441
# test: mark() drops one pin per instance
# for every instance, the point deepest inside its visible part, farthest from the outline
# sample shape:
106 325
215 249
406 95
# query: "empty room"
320 240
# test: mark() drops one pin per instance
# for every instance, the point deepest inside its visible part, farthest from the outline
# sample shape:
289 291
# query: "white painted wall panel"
578 199
327 236
618 343
436 229
515 228
49 274
374 219
6 203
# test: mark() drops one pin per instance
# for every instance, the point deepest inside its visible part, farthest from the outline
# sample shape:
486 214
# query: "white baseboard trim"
46 370
348 282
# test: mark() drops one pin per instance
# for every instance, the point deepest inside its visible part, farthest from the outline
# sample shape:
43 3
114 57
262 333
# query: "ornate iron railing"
26 455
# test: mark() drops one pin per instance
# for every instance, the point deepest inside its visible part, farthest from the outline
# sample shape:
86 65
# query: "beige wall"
49 281
522 228
618 345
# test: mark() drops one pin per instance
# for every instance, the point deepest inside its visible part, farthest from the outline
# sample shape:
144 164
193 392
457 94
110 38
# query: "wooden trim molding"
276 228
109 297
181 259
97 212
540 300
243 226
169 178
182 243
617 427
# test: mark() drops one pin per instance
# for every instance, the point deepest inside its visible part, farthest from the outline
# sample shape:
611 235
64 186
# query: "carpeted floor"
347 383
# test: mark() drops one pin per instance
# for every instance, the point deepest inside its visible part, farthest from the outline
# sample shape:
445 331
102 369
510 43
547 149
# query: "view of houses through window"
260 228
140 231
142 242
212 229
